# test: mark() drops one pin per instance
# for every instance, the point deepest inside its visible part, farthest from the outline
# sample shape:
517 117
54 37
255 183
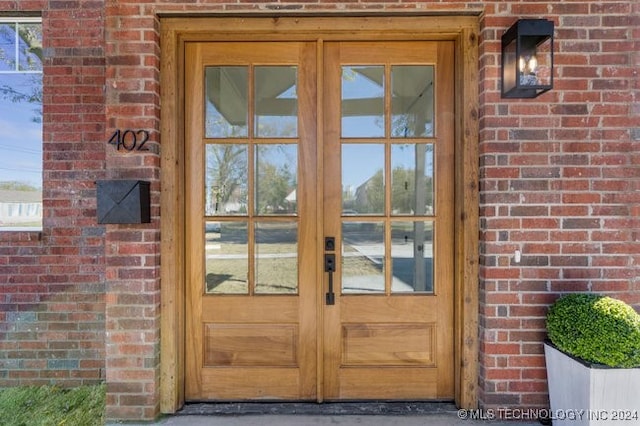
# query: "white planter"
590 395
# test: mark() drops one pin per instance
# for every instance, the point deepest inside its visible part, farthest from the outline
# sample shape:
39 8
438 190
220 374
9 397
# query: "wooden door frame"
175 31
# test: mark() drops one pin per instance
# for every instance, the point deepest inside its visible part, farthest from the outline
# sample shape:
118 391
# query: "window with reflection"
363 257
363 178
363 101
226 179
226 257
411 257
276 257
276 179
276 102
21 123
387 171
412 179
251 179
412 101
226 106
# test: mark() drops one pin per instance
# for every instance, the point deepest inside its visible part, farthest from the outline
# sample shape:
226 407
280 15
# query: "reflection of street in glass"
275 259
363 265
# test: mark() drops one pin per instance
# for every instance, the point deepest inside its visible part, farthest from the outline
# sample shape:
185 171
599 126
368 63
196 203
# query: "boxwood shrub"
596 329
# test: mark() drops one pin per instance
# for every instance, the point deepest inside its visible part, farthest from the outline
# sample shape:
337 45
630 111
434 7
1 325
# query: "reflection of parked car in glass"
212 227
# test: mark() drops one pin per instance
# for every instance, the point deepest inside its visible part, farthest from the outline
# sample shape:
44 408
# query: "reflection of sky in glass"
281 156
359 163
12 46
20 119
404 156
7 47
276 102
363 83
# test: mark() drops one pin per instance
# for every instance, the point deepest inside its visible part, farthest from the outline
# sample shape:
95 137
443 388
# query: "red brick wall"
133 251
560 181
52 283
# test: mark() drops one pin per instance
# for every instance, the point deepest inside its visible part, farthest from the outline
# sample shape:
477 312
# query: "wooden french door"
251 221
388 185
312 165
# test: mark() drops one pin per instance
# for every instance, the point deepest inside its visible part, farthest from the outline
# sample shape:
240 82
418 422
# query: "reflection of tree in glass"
403 190
216 125
226 173
370 195
281 127
29 59
410 125
274 184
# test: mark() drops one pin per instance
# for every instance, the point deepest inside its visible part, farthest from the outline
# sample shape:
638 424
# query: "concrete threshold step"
367 408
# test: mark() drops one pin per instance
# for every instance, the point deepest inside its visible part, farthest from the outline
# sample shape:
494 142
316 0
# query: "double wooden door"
319 224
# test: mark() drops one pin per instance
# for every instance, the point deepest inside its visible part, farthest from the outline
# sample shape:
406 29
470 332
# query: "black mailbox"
123 201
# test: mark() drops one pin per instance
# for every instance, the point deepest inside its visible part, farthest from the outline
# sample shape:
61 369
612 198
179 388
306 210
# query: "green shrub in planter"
596 328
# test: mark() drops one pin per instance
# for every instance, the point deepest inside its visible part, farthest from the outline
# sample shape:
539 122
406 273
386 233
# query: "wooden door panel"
248 345
393 344
254 383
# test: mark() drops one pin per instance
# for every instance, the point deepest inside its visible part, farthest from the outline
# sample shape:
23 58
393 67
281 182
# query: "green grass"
52 406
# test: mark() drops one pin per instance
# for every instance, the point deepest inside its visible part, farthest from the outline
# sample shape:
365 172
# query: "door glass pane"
412 179
227 257
412 101
276 102
226 102
412 257
363 178
276 180
362 257
363 101
226 179
276 257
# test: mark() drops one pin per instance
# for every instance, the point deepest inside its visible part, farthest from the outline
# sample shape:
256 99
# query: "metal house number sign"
130 140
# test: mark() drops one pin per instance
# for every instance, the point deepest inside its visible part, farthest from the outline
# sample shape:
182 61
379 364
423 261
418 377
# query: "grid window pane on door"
276 102
251 163
382 177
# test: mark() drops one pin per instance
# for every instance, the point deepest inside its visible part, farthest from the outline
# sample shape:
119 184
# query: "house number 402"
130 140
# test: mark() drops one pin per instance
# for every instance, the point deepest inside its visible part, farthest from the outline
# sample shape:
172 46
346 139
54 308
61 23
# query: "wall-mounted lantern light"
527 58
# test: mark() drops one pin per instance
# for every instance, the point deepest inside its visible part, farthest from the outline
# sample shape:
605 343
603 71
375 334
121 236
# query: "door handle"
330 267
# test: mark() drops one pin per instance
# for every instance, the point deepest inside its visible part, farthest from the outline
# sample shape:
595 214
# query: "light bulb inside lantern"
528 64
528 67
533 64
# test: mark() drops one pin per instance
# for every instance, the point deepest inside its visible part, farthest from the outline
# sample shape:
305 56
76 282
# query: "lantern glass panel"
509 67
540 65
